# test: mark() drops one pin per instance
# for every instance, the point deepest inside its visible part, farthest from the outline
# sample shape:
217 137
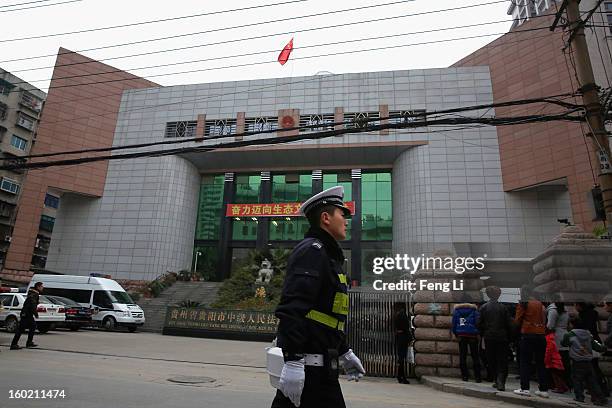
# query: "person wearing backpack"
581 347
465 318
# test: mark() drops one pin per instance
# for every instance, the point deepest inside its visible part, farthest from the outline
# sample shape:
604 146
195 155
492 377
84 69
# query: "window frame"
11 181
57 199
6 87
258 124
22 117
3 111
31 101
180 129
220 127
21 141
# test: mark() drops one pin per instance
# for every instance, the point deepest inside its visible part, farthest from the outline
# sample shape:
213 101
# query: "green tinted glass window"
247 192
376 207
210 207
290 188
247 189
288 229
244 229
331 180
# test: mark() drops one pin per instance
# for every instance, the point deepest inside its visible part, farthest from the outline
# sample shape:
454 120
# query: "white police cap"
331 196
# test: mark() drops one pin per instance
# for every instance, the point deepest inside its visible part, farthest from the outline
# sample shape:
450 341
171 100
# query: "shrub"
599 231
184 275
188 304
239 290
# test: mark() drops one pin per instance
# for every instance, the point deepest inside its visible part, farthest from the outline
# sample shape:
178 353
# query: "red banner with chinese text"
271 210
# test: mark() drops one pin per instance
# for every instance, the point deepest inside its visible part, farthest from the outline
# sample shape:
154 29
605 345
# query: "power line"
293 138
208 97
264 36
256 24
551 99
39 6
201 15
27 2
266 52
293 58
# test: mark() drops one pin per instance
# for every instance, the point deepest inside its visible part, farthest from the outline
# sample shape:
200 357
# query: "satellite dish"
324 73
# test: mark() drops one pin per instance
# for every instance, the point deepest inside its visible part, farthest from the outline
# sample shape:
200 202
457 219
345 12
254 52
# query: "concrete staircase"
155 308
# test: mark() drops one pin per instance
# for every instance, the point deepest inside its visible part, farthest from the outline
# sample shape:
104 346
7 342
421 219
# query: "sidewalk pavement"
485 390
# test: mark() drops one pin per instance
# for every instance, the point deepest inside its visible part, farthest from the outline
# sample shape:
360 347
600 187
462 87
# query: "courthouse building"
413 190
474 190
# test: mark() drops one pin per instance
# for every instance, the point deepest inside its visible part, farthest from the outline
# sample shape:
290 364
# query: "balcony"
42 245
26 122
31 102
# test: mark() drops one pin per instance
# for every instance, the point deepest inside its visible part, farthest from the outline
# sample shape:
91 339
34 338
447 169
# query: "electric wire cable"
254 24
293 138
260 37
293 58
257 53
21 4
208 14
36 37
551 99
197 99
40 6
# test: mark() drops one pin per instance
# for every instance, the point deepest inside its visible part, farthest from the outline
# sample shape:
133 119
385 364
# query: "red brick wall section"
80 113
531 65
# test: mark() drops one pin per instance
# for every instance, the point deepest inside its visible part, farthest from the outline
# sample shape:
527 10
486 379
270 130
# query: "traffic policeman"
313 309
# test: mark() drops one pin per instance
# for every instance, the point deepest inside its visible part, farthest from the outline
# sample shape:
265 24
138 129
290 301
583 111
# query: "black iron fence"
370 330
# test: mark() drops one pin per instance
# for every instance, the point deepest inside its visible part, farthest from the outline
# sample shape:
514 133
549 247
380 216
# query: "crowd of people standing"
562 349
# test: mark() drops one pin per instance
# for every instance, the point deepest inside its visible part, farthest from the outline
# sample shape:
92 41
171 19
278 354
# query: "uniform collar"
331 245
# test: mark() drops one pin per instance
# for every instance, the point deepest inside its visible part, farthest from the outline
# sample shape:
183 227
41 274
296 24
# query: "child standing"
581 345
554 364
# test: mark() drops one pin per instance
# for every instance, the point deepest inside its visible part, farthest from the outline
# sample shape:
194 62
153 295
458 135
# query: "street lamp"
195 266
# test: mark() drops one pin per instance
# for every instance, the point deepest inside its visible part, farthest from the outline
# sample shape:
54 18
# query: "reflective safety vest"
339 307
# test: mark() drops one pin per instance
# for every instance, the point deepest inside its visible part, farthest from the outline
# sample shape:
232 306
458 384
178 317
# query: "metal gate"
370 330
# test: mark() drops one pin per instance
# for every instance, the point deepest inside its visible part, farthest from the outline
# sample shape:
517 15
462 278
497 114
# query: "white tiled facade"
446 192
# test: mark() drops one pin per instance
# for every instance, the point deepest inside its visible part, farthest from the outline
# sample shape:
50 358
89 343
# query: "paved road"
103 370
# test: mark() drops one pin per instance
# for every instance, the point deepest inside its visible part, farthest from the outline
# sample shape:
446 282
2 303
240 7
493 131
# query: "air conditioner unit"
7 238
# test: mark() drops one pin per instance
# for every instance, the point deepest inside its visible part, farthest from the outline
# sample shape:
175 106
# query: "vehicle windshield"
63 300
49 301
120 297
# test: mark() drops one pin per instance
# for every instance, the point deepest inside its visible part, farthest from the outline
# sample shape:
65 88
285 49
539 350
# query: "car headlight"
126 313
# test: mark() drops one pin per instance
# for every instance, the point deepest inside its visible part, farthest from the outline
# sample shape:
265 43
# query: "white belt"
313 360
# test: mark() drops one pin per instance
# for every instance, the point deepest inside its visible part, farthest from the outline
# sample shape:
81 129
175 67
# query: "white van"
112 305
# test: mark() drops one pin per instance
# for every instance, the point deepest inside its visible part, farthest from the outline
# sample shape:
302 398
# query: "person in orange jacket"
530 317
554 364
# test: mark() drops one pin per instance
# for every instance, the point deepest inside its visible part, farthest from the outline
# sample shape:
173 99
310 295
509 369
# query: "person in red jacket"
554 364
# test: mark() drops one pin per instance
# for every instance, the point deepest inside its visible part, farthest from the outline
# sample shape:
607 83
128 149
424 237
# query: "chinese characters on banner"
270 210
221 320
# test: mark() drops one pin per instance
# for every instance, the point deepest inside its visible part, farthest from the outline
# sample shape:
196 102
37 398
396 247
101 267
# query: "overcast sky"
88 14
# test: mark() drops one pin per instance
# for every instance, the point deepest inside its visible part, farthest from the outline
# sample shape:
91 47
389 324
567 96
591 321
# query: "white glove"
292 379
352 366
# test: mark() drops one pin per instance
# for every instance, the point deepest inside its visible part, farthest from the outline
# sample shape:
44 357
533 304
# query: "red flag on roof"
283 57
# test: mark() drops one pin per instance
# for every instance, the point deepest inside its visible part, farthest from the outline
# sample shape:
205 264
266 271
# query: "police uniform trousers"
320 391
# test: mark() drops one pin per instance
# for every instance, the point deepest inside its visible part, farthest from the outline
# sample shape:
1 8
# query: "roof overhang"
301 156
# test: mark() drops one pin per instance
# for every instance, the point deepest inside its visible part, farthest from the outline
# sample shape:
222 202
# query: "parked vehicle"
112 306
49 314
77 316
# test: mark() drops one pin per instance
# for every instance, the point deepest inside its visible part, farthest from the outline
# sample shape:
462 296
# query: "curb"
440 384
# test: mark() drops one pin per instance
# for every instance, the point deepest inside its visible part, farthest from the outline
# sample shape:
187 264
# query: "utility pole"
590 99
